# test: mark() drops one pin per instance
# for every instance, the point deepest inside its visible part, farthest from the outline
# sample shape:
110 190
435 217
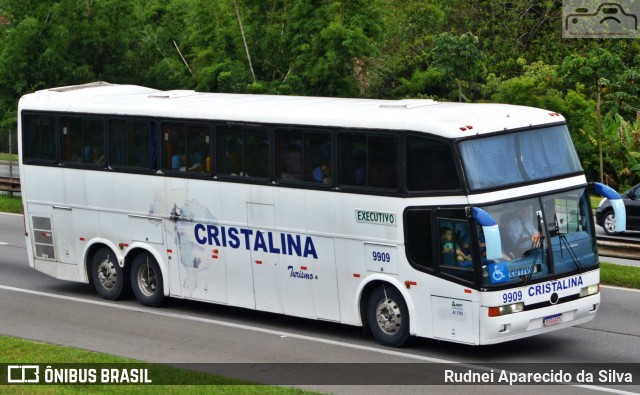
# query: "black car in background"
606 218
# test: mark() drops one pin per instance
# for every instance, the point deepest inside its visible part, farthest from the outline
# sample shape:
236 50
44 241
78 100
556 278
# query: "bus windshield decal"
265 241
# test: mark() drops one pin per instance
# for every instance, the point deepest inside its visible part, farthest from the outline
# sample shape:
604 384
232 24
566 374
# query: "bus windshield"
541 237
522 157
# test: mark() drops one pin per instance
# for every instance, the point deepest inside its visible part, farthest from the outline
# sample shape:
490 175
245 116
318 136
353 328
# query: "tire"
146 281
388 316
109 279
609 223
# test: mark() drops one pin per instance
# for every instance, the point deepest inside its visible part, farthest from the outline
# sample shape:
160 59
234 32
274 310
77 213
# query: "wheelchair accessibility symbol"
498 272
498 276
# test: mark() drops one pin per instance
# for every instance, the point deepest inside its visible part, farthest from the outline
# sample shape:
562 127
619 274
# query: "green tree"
459 58
596 70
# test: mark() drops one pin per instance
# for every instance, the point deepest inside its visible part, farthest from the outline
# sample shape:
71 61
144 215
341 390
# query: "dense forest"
508 51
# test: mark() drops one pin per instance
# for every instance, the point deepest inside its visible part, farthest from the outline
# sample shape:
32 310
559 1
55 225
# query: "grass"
20 351
595 200
5 156
620 275
10 204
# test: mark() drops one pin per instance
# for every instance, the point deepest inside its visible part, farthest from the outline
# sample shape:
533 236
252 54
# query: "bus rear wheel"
146 280
388 316
108 277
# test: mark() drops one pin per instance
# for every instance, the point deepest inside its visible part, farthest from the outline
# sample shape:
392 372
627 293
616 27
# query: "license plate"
552 320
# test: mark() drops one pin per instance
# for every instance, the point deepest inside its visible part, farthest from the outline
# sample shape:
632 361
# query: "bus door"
264 260
453 312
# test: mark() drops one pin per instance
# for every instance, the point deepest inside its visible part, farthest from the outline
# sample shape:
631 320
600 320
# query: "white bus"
396 215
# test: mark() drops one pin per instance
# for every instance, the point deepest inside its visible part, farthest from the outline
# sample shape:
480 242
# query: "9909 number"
509 297
381 256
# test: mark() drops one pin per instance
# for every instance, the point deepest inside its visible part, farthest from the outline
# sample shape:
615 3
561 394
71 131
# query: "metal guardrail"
9 184
618 248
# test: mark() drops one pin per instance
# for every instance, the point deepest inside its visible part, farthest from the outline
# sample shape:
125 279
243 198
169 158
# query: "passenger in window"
451 253
322 174
97 155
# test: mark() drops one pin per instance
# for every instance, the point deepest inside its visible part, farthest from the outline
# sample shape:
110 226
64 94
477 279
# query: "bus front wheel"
146 280
388 316
108 277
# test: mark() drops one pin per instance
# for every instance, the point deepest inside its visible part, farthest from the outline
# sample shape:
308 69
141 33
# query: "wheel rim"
107 274
610 223
388 316
147 281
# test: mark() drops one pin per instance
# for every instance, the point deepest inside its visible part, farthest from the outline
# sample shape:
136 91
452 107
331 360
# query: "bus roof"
450 120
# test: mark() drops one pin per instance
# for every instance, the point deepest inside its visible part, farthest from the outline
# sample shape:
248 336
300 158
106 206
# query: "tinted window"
455 246
368 160
186 147
303 156
430 165
132 144
82 140
243 151
39 137
418 237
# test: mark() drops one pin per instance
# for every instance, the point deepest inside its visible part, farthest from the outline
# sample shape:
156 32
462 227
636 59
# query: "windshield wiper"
562 239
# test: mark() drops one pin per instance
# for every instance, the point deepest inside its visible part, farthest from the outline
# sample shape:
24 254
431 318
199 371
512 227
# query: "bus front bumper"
534 322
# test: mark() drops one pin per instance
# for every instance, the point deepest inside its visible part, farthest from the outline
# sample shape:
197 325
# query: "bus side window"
93 142
39 138
130 144
243 151
304 155
198 148
383 158
353 159
117 142
173 138
368 160
289 156
72 146
418 237
229 150
139 141
430 165
455 249
256 155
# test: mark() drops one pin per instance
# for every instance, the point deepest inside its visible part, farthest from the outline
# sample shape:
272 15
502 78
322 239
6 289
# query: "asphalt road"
35 306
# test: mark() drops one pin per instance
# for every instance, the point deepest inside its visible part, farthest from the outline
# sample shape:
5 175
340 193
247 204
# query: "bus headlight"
590 290
504 310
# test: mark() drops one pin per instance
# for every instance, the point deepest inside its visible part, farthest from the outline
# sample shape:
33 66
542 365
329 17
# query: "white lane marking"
285 334
3 243
619 288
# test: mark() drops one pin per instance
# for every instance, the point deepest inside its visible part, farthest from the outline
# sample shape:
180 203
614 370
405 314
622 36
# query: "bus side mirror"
616 203
491 233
